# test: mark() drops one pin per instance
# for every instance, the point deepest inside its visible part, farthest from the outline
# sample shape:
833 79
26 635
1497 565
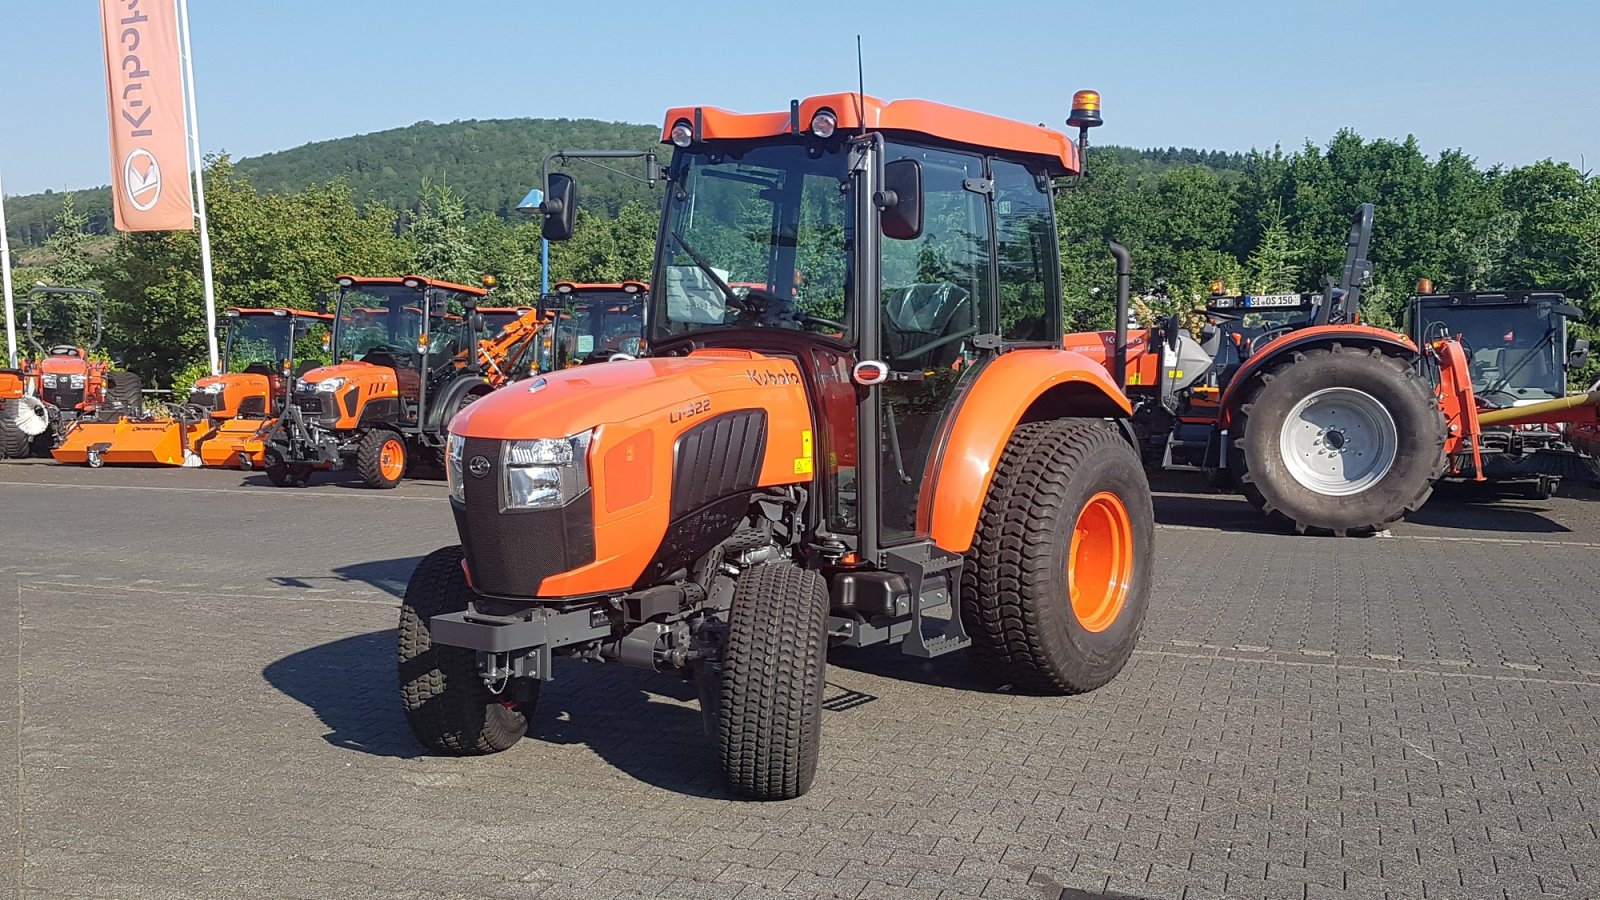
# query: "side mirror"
901 200
560 207
1579 357
477 323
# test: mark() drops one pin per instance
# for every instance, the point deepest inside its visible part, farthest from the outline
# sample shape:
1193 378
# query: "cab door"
936 320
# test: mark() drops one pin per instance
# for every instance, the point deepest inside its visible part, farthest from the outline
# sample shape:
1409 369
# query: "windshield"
496 320
259 339
1515 351
755 238
595 324
385 322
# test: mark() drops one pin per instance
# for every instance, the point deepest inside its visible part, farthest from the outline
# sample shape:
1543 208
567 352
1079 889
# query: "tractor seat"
64 350
920 314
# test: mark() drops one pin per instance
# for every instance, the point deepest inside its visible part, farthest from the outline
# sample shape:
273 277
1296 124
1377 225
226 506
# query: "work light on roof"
824 123
631 288
347 282
682 133
414 283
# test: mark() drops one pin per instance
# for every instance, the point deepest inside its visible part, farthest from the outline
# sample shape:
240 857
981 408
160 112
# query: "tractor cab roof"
417 280
897 118
279 311
1490 298
629 287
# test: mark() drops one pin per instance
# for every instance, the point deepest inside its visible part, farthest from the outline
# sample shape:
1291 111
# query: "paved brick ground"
196 699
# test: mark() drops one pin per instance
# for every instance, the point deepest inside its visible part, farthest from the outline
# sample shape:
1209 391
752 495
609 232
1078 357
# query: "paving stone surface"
197 698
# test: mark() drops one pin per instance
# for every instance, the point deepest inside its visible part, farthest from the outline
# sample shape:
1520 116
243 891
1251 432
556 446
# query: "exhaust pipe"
1119 363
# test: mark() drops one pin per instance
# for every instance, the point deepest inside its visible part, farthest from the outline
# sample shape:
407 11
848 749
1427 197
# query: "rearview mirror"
560 207
1579 357
901 200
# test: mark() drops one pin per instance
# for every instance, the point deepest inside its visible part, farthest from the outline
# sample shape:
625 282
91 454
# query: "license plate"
1273 300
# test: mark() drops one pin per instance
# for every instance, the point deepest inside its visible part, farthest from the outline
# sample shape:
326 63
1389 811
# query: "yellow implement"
134 442
237 442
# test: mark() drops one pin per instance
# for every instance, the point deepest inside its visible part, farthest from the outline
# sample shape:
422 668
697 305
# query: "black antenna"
861 88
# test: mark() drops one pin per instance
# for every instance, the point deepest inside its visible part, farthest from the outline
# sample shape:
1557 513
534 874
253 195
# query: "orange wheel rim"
1100 566
392 461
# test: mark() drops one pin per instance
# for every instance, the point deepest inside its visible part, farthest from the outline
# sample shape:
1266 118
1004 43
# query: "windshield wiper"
1549 338
699 261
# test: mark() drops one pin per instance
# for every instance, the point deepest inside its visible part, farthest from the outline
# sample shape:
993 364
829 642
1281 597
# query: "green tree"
442 241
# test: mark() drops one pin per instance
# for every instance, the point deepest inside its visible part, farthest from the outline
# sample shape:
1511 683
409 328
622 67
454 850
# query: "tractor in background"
63 383
865 435
1519 359
220 422
406 357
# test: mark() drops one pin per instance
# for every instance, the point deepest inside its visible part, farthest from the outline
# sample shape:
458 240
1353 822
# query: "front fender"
1020 386
1265 357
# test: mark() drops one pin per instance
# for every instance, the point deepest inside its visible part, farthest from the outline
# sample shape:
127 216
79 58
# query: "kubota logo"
141 178
478 466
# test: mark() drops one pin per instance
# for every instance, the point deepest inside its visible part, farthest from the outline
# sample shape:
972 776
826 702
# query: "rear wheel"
381 459
768 720
449 708
1056 584
1339 439
14 442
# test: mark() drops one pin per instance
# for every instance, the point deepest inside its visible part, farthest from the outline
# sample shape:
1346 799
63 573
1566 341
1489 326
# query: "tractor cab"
65 375
263 351
1515 342
595 322
398 337
497 318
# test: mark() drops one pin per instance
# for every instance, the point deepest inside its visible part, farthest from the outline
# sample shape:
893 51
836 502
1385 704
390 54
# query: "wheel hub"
1339 441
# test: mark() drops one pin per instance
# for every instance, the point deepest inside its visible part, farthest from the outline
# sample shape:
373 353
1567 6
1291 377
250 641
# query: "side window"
1025 243
936 286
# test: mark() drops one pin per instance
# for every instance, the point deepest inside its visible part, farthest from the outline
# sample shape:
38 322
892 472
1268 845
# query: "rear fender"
1305 339
1017 387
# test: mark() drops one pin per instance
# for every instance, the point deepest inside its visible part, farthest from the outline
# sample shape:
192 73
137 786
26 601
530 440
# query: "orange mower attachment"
823 445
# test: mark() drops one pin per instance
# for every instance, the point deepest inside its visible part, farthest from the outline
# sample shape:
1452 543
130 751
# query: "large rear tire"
1339 440
768 722
1056 584
14 442
449 708
125 392
381 458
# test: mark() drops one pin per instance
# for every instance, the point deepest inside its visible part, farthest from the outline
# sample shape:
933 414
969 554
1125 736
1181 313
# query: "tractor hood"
349 371
572 401
63 365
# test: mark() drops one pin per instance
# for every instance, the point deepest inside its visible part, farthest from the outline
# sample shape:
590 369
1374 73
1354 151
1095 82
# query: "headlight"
49 380
328 385
77 381
547 473
453 448
215 387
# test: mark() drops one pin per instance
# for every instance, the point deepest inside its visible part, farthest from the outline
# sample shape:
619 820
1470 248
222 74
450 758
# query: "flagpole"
5 277
199 186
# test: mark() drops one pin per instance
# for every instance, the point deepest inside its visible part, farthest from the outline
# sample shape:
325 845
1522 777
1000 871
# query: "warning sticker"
805 443
802 465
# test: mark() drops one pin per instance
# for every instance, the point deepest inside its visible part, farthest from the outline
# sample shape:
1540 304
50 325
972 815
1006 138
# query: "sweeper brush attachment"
132 442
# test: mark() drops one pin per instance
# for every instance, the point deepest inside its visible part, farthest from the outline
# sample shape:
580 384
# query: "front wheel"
449 708
14 442
1339 439
768 721
381 459
1055 587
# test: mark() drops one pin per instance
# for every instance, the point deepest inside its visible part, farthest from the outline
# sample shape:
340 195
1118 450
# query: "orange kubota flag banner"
144 85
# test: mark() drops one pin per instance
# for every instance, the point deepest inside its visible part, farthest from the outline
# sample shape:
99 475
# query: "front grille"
63 398
317 406
510 553
207 402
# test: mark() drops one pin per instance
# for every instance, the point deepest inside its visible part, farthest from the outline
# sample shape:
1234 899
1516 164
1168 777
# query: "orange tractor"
63 384
882 424
407 355
222 422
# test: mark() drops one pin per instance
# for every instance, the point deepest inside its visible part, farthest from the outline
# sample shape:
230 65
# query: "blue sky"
1504 81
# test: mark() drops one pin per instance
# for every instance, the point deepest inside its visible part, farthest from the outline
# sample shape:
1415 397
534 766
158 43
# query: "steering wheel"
1268 336
775 310
935 344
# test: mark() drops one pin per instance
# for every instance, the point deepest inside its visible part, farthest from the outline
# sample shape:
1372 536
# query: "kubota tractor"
405 359
825 460
264 351
1518 355
63 383
1322 422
